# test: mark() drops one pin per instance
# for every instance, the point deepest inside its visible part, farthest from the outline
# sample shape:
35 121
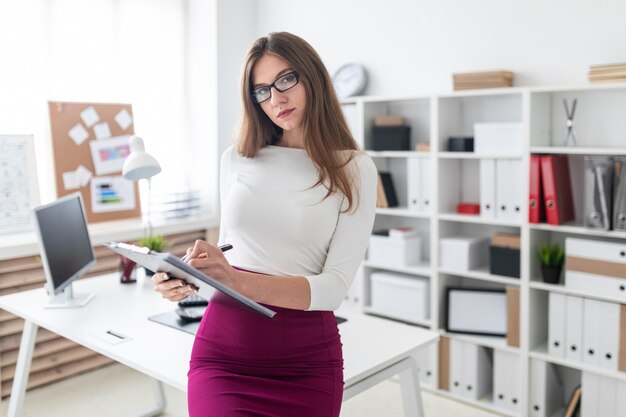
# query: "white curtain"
117 51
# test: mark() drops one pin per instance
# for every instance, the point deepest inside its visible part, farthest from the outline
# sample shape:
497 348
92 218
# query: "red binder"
557 189
536 205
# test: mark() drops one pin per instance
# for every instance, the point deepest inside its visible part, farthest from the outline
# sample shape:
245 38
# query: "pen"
223 248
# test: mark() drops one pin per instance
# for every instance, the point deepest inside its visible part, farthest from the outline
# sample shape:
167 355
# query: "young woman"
298 201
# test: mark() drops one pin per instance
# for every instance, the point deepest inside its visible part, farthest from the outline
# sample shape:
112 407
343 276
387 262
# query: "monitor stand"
67 299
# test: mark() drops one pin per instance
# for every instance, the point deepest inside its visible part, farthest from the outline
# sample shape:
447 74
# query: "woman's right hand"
173 289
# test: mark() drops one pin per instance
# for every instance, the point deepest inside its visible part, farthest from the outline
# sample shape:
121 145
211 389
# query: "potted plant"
156 243
551 256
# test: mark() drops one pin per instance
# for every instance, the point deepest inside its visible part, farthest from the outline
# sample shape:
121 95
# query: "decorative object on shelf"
389 121
607 73
127 270
570 132
468 208
551 256
153 242
386 193
350 80
504 255
462 253
484 79
598 193
619 190
461 144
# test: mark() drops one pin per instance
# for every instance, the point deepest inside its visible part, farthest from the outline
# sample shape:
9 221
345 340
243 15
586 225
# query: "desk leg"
411 392
22 369
159 408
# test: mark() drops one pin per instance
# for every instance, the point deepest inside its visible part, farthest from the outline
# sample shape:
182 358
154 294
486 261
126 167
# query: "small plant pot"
551 274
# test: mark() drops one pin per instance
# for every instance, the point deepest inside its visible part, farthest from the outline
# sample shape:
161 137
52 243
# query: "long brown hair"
325 128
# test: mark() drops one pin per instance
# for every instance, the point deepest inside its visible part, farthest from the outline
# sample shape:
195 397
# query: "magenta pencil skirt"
245 364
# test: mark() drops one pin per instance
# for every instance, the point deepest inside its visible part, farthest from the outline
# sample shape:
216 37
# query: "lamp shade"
139 164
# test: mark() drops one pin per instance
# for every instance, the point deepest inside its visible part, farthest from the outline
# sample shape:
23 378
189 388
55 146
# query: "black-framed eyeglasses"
282 84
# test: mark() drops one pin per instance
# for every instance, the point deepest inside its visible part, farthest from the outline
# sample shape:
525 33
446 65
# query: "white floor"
117 391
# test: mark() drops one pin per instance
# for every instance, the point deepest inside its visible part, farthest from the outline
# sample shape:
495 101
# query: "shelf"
372 311
483 275
577 151
402 212
484 404
494 342
422 269
472 218
398 154
562 289
471 155
578 229
541 353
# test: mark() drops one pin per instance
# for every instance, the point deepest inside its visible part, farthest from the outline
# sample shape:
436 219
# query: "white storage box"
400 296
498 138
596 267
384 250
463 253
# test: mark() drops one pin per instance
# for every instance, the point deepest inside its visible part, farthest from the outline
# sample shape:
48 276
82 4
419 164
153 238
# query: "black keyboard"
194 300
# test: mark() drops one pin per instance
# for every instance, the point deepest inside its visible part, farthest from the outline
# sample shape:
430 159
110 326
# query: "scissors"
570 133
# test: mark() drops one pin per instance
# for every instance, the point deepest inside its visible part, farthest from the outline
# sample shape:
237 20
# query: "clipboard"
172 265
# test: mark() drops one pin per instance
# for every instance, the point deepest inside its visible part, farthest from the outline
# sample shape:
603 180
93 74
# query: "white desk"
374 349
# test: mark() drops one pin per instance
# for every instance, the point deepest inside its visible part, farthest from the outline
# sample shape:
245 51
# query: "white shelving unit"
601 130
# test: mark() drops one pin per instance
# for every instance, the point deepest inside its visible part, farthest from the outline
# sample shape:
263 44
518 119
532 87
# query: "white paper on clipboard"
173 266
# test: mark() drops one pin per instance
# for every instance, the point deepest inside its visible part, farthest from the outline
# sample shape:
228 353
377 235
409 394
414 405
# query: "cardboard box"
384 250
463 253
498 138
404 297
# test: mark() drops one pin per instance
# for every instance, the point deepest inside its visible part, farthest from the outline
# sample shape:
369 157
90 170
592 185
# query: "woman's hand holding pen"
203 256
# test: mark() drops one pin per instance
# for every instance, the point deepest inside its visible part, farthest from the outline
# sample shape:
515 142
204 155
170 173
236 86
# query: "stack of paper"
607 73
485 79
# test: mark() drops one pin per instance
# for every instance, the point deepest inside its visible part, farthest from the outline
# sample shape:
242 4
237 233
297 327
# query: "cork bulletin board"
90 143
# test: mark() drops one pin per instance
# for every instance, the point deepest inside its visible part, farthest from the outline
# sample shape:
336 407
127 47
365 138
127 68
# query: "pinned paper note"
109 154
112 194
76 179
102 130
70 180
83 175
124 119
90 116
78 134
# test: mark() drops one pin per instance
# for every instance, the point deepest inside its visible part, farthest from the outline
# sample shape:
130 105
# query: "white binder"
425 183
573 328
591 331
506 381
609 325
508 193
487 174
621 399
477 371
607 396
556 324
589 398
414 183
426 360
456 367
546 390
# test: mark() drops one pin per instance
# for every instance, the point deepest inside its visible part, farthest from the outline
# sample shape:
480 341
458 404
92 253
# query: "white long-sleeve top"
279 225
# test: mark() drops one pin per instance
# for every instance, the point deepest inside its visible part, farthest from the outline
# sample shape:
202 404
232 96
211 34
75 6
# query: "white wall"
413 46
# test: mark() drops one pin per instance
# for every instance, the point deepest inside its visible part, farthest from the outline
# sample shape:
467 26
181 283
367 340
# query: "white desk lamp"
140 165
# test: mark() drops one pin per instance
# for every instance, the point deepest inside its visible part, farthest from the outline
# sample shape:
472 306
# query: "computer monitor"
65 248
